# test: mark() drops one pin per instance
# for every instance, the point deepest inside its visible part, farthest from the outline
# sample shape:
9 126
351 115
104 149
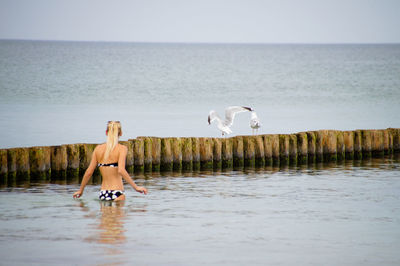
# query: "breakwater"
149 154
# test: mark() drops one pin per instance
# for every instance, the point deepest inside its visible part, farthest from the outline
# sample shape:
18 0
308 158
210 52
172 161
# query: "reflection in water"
110 227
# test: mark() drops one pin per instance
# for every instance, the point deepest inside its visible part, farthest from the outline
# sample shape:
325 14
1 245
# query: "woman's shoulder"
122 147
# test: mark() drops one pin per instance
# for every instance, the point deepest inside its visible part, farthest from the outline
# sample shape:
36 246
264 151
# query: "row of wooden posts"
191 154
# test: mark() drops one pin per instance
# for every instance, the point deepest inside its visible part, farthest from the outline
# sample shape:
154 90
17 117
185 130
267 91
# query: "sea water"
348 213
54 93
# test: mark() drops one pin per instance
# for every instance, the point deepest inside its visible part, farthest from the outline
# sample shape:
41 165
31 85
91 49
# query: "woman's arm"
122 171
88 174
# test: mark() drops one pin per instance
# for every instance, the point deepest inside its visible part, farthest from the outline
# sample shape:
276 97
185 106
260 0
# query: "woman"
110 158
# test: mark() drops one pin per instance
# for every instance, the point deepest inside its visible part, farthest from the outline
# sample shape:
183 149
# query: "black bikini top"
108 164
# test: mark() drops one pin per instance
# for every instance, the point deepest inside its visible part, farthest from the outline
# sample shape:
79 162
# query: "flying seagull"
254 122
230 112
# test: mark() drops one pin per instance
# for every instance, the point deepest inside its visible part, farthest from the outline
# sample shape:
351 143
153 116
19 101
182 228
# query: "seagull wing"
231 111
213 116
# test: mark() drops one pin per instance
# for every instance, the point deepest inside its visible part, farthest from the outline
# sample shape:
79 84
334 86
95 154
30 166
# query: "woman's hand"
78 194
141 190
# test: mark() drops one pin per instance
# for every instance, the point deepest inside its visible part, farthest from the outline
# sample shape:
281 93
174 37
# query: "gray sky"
232 21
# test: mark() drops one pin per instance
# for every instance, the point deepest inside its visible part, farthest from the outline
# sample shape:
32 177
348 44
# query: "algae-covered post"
329 145
237 150
187 157
302 148
138 154
196 154
357 145
348 137
3 165
176 146
39 162
18 163
227 153
148 158
366 143
217 153
311 147
319 148
166 158
267 141
248 151
340 148
259 151
206 153
85 155
275 149
284 145
395 133
386 142
73 160
129 165
293 149
59 161
156 153
377 143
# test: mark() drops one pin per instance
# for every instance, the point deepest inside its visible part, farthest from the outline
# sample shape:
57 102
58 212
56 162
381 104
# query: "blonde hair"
113 133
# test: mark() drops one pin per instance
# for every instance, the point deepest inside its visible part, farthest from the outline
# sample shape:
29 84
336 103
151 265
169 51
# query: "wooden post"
196 154
166 159
3 165
85 156
248 151
130 161
187 157
284 144
348 137
377 143
138 155
366 143
39 162
275 149
18 163
237 150
302 148
73 161
311 147
386 142
319 148
358 145
340 147
329 145
267 139
206 153
148 157
176 146
217 153
395 132
156 153
259 151
59 161
293 149
227 153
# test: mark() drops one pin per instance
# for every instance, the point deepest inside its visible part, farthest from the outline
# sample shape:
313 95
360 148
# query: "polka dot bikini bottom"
110 194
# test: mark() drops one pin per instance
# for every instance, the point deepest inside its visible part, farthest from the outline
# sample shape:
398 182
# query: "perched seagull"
230 112
254 122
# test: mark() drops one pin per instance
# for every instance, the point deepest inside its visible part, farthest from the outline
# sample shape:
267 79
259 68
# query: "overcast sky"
232 21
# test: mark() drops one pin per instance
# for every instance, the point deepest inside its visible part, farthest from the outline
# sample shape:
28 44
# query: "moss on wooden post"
39 162
377 143
302 148
348 137
293 149
85 156
206 153
366 143
227 153
284 144
340 147
267 139
73 161
18 163
358 155
248 151
138 155
176 146
311 147
196 154
395 133
386 141
59 161
259 151
329 145
237 150
275 149
148 157
3 165
187 158
166 157
130 161
319 148
155 154
217 153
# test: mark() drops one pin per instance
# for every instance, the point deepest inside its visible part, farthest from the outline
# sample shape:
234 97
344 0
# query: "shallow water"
336 214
